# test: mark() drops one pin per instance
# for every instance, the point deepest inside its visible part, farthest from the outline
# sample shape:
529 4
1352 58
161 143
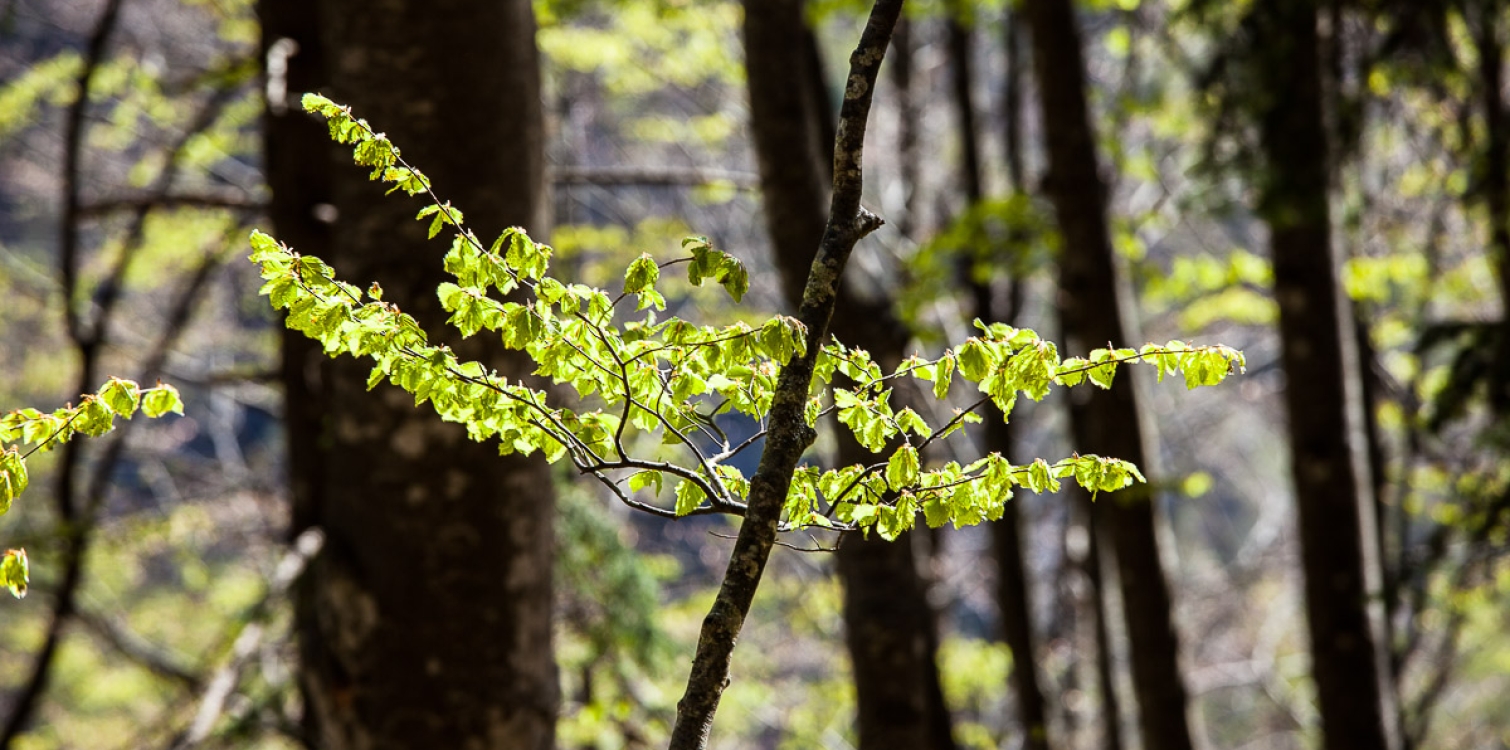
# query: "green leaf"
778 339
642 479
688 497
13 478
1071 372
735 280
15 573
1041 477
265 248
802 496
902 469
910 421
161 400
1102 374
708 263
944 376
122 396
94 417
642 274
935 510
974 360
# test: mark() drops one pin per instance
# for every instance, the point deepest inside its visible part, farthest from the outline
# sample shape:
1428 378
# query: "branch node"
866 221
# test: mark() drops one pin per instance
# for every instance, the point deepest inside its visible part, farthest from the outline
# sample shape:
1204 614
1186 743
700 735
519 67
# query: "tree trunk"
1105 422
907 127
1294 203
1496 187
426 620
1002 305
1095 574
887 616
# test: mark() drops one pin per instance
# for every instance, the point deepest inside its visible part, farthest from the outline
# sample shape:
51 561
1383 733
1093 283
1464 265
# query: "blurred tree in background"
1320 184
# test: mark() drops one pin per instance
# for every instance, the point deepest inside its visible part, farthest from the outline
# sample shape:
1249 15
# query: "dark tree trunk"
1105 422
1496 186
1294 203
426 620
1106 683
907 127
887 615
994 304
298 158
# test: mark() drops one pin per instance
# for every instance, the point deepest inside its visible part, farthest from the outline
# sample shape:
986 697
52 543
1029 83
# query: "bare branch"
652 177
123 640
222 683
148 201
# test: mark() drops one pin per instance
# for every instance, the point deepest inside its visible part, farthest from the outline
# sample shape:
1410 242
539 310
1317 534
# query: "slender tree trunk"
1497 185
426 620
1095 573
298 162
789 435
887 615
1105 422
996 304
907 126
1294 203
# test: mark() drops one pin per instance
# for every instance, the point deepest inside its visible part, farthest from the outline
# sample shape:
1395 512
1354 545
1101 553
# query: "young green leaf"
642 274
688 497
13 478
161 400
902 469
15 573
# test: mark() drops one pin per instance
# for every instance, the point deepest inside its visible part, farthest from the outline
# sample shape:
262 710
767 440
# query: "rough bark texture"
1311 329
426 620
1105 422
889 623
788 434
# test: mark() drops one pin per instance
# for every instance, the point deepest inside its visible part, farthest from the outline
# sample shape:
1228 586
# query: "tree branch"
651 177
222 683
147 201
128 643
789 433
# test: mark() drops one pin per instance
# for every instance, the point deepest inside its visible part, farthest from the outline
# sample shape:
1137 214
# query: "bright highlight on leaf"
15 573
649 392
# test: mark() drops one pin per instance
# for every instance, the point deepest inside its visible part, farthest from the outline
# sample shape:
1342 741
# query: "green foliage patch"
94 416
636 376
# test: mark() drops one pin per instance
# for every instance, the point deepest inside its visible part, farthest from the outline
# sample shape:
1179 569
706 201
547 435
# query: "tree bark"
1105 422
426 619
1491 58
1294 203
889 623
788 434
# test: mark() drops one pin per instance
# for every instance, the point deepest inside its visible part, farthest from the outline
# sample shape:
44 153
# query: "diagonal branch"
789 433
222 683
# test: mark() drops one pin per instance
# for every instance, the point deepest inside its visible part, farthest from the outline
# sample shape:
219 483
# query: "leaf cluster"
94 416
640 380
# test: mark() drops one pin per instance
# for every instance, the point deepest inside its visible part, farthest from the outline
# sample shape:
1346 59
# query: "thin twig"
652 176
222 683
119 637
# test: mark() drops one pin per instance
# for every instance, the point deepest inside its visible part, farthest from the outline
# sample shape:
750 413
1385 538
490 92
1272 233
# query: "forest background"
257 574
